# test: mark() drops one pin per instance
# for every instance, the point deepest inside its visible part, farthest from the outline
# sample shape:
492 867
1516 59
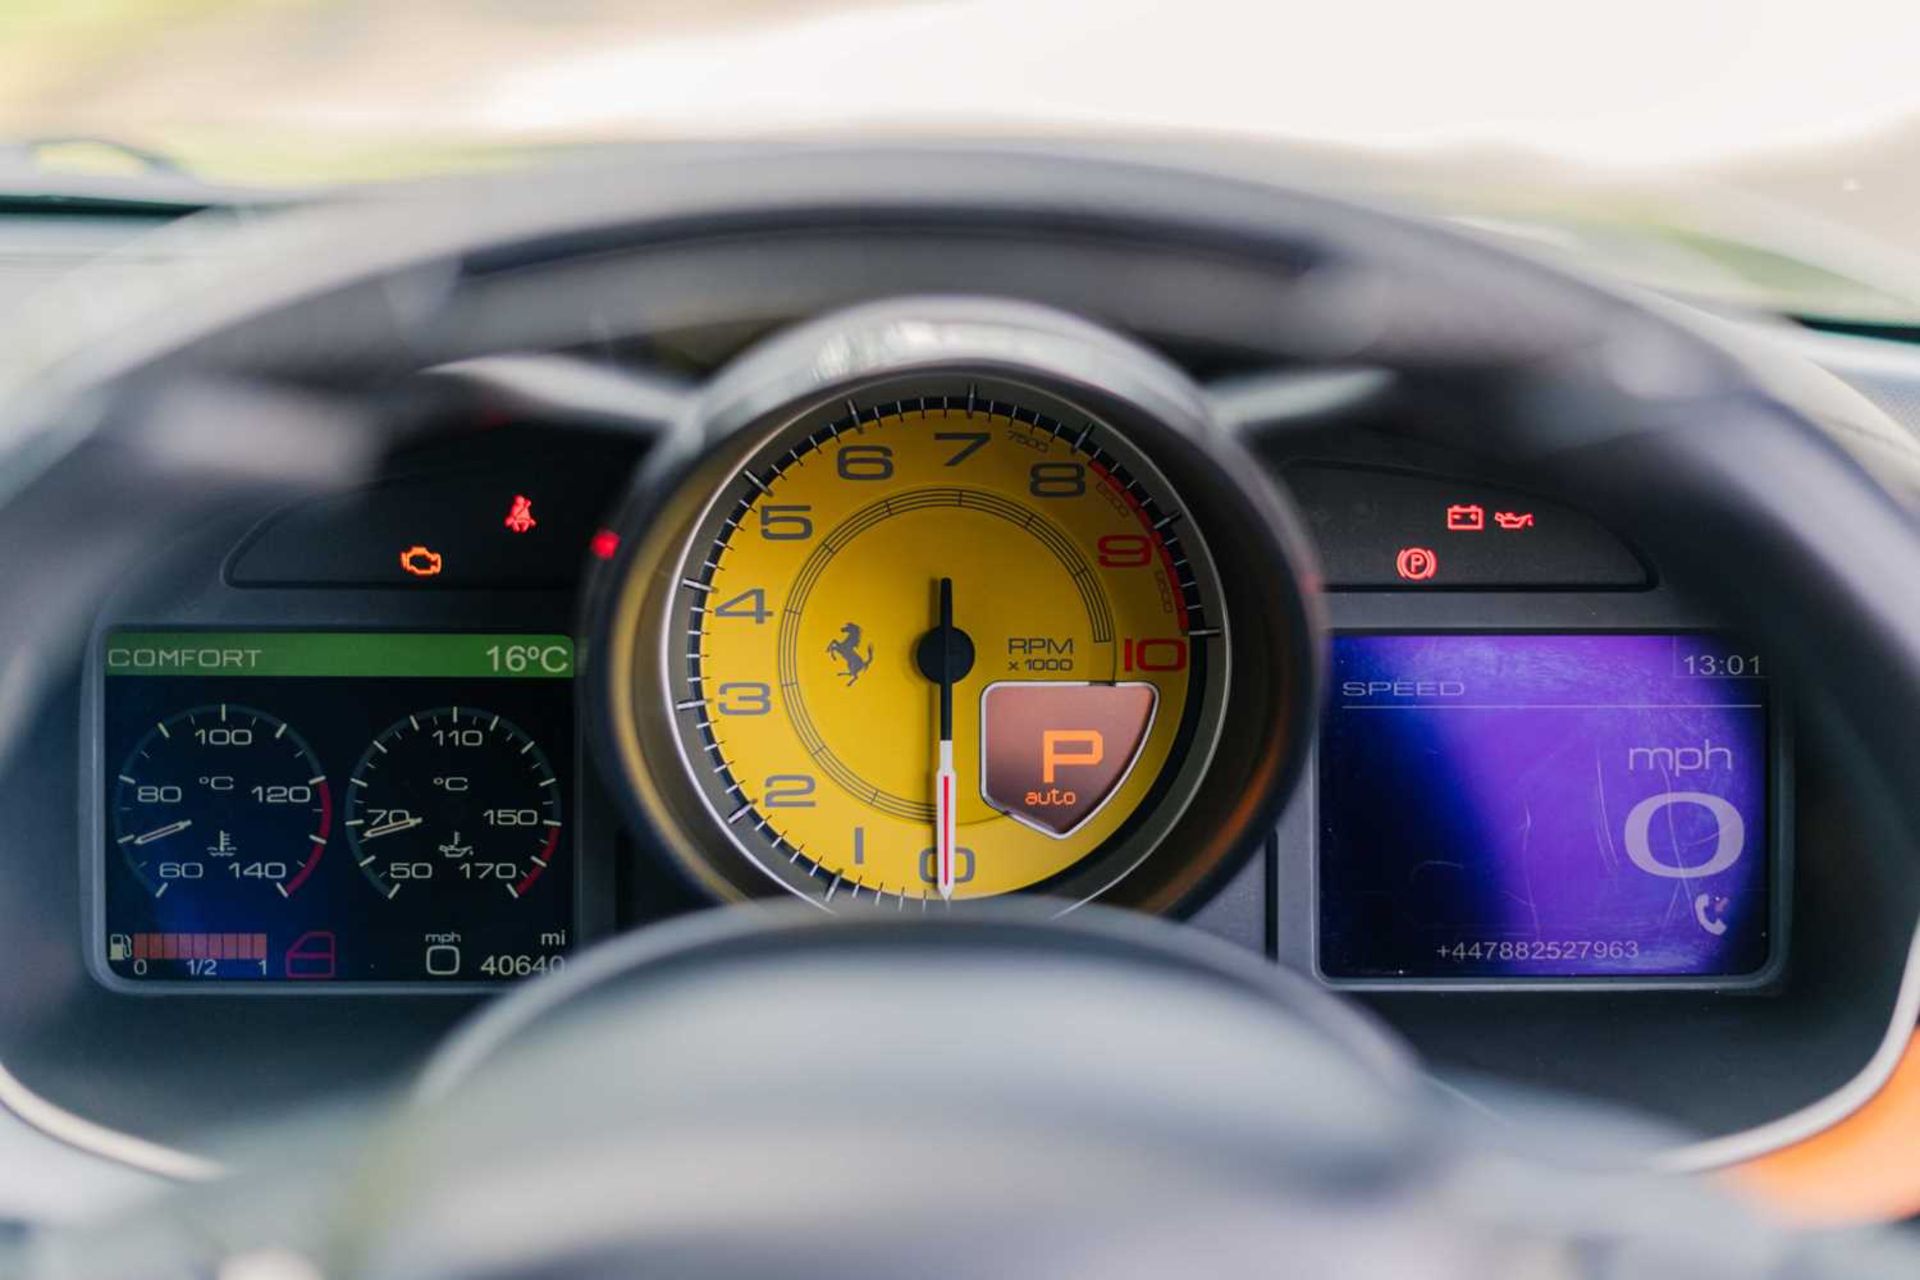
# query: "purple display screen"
1533 806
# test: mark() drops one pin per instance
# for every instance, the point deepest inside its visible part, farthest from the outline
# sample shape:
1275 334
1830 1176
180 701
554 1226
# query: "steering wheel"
1004 1091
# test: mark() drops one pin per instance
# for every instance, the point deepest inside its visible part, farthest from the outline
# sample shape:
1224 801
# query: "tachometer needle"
161 833
943 776
943 779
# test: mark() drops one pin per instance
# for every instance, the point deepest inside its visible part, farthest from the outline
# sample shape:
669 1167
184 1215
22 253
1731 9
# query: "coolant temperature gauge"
454 803
221 797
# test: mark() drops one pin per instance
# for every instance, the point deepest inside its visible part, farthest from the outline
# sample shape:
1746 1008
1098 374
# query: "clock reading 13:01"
1722 666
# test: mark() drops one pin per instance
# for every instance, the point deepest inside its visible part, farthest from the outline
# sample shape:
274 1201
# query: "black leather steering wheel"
995 1095
774 1091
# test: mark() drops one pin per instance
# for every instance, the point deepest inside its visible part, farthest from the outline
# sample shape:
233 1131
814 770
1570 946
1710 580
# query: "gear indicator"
1052 752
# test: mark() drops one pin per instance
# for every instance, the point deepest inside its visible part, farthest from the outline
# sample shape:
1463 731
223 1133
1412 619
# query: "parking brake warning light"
1416 564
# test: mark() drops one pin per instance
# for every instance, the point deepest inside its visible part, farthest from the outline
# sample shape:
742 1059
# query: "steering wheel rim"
733 1008
758 930
1199 1150
1598 380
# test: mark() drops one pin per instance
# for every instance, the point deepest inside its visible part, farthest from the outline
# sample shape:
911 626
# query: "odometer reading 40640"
942 648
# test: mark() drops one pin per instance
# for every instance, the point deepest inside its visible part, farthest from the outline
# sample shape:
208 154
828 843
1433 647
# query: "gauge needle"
161 833
390 826
943 777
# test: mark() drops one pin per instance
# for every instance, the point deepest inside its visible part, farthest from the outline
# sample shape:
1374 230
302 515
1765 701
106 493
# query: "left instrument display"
345 808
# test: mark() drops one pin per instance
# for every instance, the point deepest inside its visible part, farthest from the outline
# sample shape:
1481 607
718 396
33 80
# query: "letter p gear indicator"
1053 752
1060 747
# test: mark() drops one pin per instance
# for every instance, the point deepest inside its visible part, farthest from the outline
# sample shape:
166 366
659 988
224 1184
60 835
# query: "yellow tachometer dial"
950 646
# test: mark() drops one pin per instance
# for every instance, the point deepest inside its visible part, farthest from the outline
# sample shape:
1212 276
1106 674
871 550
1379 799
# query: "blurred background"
1745 150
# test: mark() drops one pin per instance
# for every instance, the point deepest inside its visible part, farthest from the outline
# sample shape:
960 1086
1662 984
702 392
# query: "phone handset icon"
1710 913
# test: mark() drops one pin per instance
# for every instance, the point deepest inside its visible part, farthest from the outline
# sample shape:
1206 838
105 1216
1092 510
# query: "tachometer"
942 647
913 623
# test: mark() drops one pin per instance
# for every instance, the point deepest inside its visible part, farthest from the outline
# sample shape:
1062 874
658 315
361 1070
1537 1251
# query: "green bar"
515 656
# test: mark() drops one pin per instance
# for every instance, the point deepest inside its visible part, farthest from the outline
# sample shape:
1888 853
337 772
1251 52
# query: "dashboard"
313 770
932 650
327 776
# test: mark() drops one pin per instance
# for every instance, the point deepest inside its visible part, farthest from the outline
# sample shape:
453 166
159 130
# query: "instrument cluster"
341 807
913 639
945 627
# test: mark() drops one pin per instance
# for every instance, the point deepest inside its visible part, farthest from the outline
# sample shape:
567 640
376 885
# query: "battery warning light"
520 515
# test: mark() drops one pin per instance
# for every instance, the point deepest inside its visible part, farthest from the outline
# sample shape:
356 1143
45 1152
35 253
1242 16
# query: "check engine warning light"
1053 753
422 561
1416 564
520 515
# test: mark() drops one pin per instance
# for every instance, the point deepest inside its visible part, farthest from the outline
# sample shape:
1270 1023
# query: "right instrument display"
1547 806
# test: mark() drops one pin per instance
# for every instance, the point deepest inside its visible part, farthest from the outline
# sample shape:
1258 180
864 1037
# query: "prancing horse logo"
847 651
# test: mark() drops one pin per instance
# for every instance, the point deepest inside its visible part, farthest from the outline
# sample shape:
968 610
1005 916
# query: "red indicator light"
520 514
605 544
311 956
1466 517
1513 519
1416 564
422 562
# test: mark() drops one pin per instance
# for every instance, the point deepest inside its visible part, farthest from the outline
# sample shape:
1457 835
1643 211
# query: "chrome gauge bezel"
768 453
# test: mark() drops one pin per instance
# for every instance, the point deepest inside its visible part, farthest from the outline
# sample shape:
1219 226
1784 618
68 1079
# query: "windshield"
1741 150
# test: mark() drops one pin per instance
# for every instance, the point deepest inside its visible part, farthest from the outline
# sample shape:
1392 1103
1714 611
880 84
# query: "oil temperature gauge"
455 802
